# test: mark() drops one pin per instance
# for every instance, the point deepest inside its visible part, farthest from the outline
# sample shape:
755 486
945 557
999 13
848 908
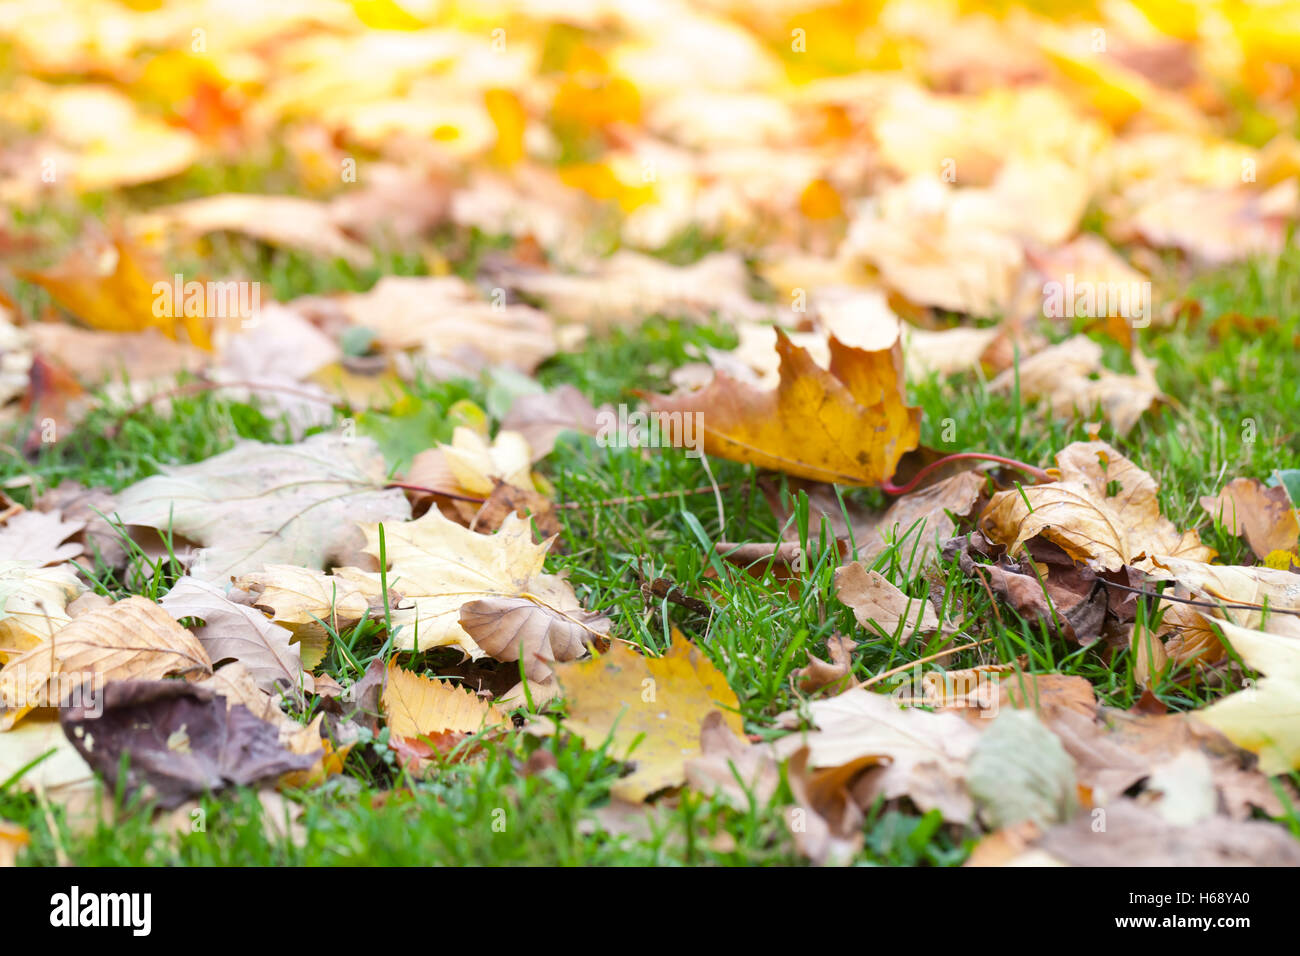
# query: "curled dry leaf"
33 604
819 675
132 639
238 632
309 603
1269 590
511 628
1264 516
848 425
880 607
920 755
1073 380
623 696
183 740
1103 511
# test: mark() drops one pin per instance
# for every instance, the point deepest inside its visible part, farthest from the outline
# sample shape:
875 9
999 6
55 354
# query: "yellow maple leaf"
849 425
650 708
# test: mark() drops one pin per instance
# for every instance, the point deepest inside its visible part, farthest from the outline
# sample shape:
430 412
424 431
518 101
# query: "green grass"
490 811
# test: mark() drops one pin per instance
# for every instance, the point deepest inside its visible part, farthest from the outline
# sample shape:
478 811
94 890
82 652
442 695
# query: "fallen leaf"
920 755
511 628
1135 836
819 675
33 604
881 608
1264 516
304 225
237 632
111 287
848 425
417 706
183 741
268 504
1103 511
439 566
1020 772
1261 718
1074 381
649 708
310 603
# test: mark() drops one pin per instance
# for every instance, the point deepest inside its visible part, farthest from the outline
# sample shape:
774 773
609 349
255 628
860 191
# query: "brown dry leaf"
132 639
238 632
439 566
1069 600
880 607
1103 511
33 604
921 755
732 768
1264 516
848 425
263 504
94 357
111 287
1073 380
309 602
819 674
510 628
623 696
288 221
39 538
418 706
916 523
628 286
827 823
1135 836
447 319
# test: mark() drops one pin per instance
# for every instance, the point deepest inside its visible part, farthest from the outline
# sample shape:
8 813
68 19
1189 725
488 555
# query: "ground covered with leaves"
644 434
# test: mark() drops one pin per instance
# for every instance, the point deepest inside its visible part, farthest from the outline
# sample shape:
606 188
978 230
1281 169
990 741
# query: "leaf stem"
890 488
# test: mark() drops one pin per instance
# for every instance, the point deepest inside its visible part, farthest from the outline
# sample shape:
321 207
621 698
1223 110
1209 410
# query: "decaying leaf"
183 741
1019 771
650 709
